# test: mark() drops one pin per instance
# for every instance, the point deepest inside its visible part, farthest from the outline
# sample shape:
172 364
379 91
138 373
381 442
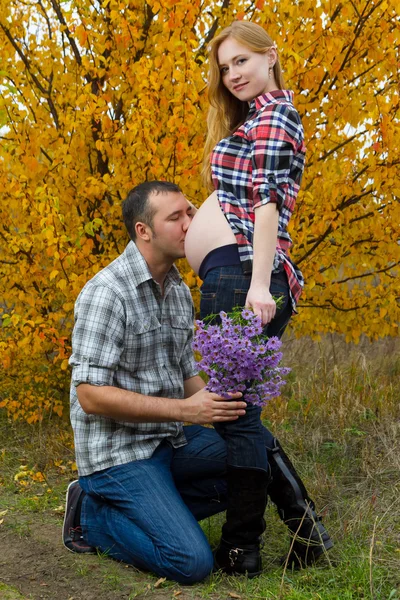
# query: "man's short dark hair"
137 209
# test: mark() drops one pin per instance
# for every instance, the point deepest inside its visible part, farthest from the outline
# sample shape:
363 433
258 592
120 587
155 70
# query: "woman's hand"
261 302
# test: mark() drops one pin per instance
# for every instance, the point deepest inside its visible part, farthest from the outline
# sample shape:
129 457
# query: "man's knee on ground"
192 566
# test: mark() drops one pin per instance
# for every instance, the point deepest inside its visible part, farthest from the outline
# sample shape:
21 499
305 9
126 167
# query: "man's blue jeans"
223 289
145 513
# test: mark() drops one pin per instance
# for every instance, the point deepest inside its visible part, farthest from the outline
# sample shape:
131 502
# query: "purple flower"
274 343
235 352
247 314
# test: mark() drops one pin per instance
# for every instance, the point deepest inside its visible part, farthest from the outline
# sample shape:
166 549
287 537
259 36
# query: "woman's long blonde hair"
227 113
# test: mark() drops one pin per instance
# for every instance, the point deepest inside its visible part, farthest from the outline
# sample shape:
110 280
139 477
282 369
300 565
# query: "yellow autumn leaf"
132 107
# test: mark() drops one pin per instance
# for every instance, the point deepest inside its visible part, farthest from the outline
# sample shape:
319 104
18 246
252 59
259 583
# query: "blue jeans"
145 513
223 289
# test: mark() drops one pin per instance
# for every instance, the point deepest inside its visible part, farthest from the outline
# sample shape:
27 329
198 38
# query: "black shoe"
72 530
311 541
239 549
296 510
234 560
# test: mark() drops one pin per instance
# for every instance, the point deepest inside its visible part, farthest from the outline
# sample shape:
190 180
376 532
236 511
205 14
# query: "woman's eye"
224 70
241 60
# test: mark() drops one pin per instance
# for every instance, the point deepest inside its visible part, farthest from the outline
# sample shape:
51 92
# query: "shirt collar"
139 270
270 98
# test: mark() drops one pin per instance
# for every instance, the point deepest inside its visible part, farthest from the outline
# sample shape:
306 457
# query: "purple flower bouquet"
237 357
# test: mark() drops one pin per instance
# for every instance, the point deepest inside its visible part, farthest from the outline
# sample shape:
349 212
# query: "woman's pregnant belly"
208 230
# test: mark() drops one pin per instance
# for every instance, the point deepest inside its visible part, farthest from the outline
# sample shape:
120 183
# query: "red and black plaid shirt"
261 162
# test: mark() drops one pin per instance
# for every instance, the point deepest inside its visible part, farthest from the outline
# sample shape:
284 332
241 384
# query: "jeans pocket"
208 304
239 297
222 289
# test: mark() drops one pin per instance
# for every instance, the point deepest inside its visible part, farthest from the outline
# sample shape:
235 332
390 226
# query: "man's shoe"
72 530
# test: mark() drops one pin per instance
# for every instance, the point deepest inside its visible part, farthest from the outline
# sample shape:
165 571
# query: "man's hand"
259 299
206 407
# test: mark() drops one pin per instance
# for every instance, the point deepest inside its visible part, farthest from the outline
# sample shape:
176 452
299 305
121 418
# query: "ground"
35 565
339 420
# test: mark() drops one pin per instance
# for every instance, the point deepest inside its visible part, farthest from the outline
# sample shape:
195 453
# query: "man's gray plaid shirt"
129 336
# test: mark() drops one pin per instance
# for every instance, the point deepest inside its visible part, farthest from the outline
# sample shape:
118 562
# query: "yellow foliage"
94 100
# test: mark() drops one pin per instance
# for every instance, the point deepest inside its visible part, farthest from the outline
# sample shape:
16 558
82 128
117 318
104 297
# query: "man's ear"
143 231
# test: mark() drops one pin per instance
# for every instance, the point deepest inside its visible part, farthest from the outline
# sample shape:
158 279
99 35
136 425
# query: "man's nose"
186 222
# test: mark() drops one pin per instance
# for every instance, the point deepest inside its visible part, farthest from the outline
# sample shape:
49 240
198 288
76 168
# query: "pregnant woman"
238 244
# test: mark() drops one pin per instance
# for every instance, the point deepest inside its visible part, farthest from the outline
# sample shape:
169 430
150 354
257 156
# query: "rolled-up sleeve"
275 136
98 335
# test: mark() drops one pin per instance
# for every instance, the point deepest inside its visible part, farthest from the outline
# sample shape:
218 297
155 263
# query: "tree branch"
369 274
210 34
35 80
67 31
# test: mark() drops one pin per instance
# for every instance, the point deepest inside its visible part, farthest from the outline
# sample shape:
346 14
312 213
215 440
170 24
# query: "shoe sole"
65 516
63 527
237 573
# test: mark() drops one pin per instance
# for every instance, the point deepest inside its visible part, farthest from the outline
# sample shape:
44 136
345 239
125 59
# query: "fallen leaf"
160 582
234 595
177 593
1 521
3 512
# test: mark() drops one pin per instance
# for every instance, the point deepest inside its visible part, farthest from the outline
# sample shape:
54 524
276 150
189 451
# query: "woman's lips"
237 88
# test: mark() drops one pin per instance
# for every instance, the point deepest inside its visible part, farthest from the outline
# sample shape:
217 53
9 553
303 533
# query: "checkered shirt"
261 162
129 336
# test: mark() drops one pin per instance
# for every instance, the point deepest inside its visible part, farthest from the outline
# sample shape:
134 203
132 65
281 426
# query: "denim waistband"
228 256
224 256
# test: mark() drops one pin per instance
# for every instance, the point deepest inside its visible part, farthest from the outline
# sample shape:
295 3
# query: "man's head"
157 216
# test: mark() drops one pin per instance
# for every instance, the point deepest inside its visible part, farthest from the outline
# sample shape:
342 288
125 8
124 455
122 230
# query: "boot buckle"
234 555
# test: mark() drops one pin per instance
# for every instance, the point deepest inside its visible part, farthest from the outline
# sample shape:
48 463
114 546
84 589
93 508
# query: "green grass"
339 420
8 592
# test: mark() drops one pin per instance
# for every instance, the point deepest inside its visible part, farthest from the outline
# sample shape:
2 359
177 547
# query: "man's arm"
122 405
192 385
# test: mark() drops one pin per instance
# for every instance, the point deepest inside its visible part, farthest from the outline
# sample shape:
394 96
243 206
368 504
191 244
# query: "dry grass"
339 420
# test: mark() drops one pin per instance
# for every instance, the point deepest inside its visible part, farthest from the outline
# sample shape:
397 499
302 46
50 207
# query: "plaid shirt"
129 336
262 162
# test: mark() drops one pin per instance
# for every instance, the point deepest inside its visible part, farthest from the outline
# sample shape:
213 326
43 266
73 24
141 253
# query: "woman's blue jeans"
145 512
223 289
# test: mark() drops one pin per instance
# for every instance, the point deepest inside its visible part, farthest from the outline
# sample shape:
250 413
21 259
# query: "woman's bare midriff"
208 230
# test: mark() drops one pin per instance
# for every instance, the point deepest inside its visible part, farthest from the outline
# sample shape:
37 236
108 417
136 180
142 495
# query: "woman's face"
243 72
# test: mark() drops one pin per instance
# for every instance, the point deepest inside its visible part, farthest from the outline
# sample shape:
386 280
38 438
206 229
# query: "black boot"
239 549
297 510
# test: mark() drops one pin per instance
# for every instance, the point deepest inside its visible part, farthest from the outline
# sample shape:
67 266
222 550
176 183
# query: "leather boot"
297 510
239 549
